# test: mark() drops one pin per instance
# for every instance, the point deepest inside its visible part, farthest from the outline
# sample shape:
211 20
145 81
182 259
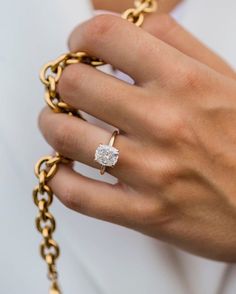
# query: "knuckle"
99 28
190 77
169 173
178 128
62 138
68 80
151 212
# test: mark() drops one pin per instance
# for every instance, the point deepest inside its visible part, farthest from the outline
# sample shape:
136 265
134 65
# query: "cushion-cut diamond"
106 155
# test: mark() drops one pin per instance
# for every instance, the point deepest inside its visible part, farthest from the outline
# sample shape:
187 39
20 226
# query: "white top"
97 257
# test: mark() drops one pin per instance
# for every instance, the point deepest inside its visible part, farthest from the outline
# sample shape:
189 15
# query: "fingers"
100 95
117 6
93 198
78 140
121 5
168 30
125 46
118 203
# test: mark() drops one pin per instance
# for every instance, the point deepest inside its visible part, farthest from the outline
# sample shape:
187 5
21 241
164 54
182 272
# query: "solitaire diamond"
106 155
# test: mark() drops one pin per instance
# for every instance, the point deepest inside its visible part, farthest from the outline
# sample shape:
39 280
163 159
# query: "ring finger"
78 140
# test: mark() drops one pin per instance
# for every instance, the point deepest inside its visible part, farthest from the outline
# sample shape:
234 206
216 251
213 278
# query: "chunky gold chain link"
136 14
47 166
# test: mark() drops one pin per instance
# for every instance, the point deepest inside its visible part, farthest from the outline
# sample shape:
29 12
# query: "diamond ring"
107 155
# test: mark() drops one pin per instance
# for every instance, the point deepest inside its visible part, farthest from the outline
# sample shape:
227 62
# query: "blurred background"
96 257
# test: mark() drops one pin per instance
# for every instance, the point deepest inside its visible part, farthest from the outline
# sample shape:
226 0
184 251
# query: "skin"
119 6
177 167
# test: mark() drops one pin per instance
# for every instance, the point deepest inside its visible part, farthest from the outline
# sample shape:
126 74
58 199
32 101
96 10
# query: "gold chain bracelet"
47 166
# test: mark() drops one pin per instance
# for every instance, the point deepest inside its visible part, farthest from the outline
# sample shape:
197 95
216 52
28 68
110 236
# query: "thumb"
168 30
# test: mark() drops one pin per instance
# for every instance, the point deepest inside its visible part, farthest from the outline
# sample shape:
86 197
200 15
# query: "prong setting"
106 155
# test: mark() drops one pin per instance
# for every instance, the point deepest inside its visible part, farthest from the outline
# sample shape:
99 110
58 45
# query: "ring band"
107 155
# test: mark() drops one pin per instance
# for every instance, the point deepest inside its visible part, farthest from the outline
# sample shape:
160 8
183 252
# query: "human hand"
164 6
177 144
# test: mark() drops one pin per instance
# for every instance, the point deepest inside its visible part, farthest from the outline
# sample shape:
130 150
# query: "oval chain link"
46 167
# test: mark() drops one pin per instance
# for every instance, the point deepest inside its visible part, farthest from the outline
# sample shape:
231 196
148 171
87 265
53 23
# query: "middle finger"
101 95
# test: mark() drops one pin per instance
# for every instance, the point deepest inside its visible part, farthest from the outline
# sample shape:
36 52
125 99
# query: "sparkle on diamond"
106 155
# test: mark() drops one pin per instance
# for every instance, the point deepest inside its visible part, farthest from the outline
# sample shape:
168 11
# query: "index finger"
125 46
